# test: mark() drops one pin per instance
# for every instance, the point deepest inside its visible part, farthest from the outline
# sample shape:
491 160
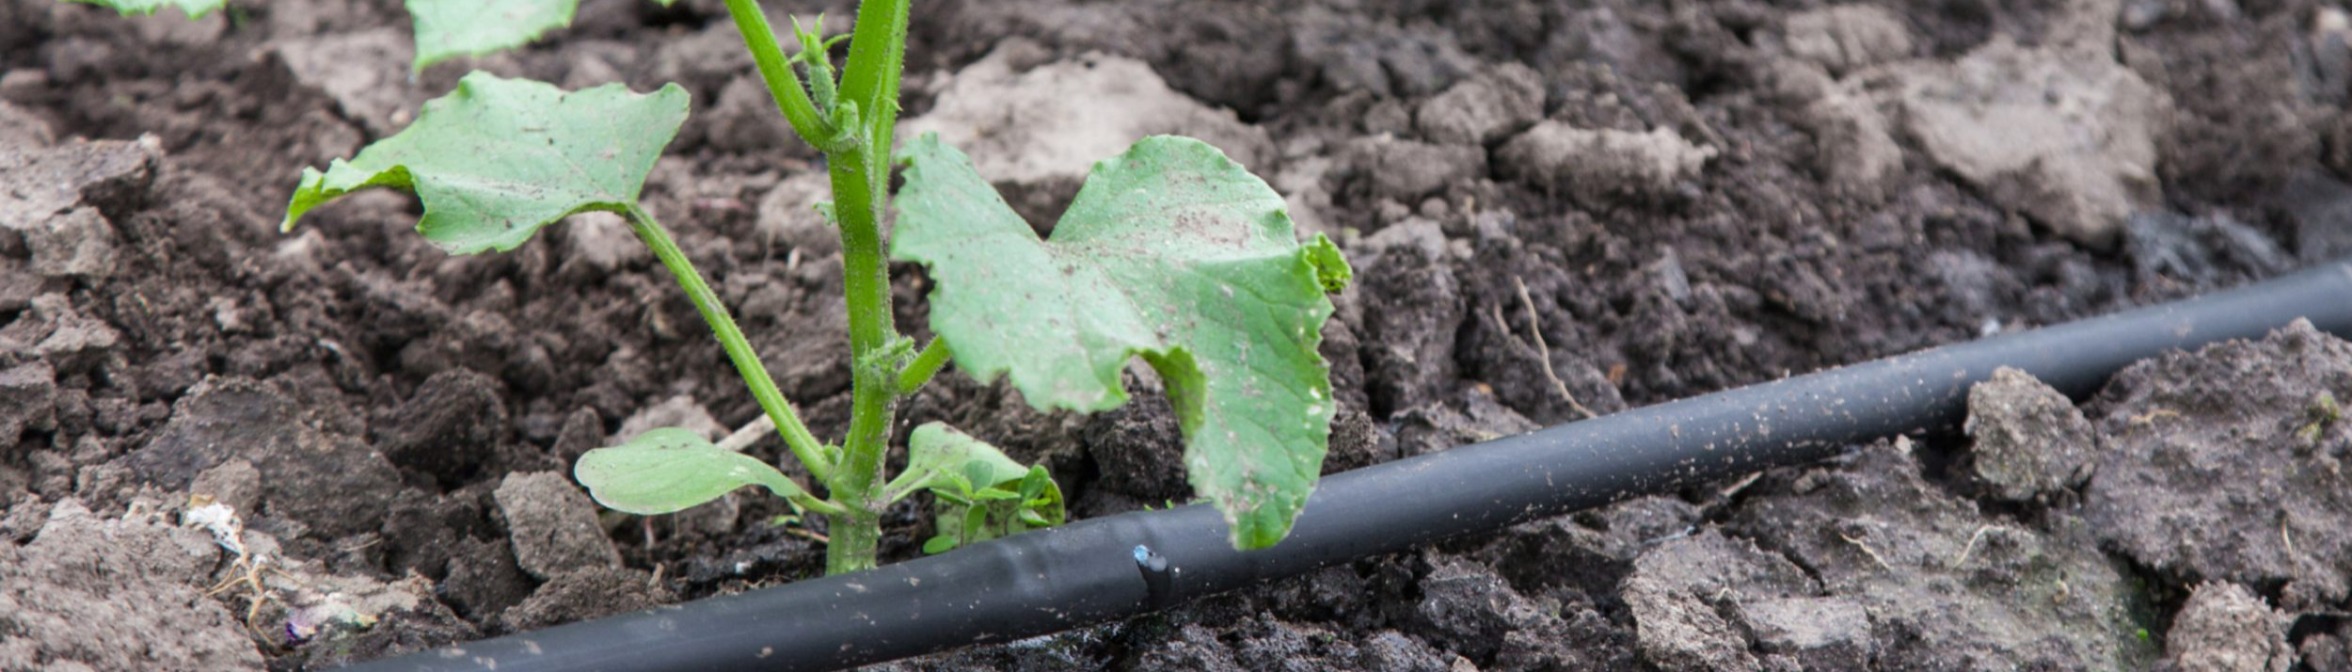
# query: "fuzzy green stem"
873 378
811 504
851 541
776 70
755 375
925 365
861 174
877 56
856 138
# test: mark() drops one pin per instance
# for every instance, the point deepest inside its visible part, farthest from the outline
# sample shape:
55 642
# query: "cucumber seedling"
1171 253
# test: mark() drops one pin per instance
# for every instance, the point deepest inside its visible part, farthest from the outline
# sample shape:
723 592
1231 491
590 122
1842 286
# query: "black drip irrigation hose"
1101 569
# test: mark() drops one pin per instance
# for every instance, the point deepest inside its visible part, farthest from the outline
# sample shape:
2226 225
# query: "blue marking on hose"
1158 577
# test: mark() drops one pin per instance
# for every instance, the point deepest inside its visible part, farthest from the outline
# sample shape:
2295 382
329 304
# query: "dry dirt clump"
324 482
1599 164
1945 586
1678 595
1483 109
2228 464
1844 38
2225 628
53 198
2029 441
94 594
1036 127
2067 137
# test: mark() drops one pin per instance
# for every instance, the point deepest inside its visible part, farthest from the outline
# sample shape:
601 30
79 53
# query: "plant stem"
925 365
858 160
776 70
874 397
861 175
755 374
877 55
851 541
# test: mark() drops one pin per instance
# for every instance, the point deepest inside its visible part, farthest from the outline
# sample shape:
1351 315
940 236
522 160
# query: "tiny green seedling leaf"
1171 252
937 453
669 469
196 9
982 494
447 29
498 159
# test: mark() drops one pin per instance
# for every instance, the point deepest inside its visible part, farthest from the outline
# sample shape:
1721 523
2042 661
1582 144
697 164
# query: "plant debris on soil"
223 448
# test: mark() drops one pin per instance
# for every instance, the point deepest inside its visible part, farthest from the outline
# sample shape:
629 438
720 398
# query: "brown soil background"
1678 197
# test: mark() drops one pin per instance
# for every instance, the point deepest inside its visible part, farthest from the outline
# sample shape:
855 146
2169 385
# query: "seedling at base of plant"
1171 252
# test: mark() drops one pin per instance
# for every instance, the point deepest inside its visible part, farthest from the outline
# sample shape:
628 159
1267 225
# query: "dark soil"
1648 200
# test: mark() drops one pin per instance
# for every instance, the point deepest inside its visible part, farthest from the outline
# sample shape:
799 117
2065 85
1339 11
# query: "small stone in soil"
1820 633
2030 442
28 395
1601 166
2225 628
1843 38
1484 108
1406 170
552 525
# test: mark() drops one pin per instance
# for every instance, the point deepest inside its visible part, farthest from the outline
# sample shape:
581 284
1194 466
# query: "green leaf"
981 494
447 29
1331 267
196 9
1171 252
941 456
497 159
938 544
669 469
